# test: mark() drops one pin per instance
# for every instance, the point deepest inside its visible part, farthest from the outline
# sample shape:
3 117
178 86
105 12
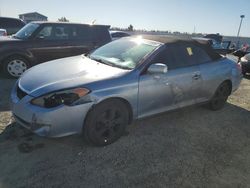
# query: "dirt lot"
192 147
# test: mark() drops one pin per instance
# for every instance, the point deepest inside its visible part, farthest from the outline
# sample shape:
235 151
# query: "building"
32 16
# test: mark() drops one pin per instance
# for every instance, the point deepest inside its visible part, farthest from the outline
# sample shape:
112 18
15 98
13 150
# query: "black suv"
11 25
39 42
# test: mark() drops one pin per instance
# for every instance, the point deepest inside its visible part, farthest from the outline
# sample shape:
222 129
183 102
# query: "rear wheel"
106 122
220 97
15 66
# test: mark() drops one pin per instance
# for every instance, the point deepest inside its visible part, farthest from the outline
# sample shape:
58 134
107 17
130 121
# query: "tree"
131 28
63 19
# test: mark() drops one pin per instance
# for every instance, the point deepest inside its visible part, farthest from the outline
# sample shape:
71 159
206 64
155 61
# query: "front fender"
125 88
23 53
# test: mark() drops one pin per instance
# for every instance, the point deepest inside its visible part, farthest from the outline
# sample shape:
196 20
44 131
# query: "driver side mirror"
159 68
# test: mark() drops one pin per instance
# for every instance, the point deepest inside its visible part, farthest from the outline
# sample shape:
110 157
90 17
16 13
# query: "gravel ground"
191 147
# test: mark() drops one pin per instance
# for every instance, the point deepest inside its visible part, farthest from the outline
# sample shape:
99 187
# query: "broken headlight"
66 97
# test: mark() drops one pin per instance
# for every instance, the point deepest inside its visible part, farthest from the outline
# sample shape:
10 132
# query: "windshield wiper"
100 61
122 67
108 63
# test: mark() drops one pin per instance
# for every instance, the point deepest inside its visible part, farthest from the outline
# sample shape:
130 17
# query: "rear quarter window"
198 56
91 33
101 34
81 32
187 54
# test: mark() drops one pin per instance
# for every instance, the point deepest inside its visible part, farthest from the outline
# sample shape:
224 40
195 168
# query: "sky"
203 16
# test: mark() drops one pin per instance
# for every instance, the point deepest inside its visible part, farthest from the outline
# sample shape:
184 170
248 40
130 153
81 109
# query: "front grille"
20 93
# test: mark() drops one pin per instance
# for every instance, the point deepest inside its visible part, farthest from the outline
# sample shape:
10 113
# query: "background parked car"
224 47
240 53
118 34
11 25
219 45
39 42
3 32
216 37
245 64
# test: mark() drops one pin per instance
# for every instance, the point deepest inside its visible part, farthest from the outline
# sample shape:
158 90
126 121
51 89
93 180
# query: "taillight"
5 33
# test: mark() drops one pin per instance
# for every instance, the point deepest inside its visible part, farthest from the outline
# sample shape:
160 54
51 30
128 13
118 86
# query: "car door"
212 73
52 42
177 88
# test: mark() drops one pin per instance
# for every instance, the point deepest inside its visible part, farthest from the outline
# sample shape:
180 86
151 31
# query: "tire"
106 122
220 97
15 66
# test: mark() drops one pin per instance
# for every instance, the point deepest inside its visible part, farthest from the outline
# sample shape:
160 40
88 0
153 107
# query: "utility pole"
194 30
238 34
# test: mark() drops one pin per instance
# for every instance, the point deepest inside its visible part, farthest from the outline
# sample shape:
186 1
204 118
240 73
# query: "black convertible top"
203 43
172 39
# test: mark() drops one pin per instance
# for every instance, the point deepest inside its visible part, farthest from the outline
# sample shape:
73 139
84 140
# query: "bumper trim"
27 124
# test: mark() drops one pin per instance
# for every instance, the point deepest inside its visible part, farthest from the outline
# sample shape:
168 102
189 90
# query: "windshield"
26 31
124 53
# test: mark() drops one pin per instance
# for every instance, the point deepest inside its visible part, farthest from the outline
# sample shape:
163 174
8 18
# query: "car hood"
65 73
8 38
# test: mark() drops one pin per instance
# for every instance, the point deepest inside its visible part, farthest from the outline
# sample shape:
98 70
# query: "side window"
181 55
119 34
201 55
16 23
45 33
166 57
124 35
61 32
57 32
177 56
2 22
19 23
115 35
9 23
187 54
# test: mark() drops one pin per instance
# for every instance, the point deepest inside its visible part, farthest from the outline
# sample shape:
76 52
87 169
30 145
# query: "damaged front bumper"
53 122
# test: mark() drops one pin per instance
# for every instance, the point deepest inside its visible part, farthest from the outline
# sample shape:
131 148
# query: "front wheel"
15 66
220 97
106 122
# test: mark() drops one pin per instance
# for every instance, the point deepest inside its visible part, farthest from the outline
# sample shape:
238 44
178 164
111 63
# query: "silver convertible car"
100 93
